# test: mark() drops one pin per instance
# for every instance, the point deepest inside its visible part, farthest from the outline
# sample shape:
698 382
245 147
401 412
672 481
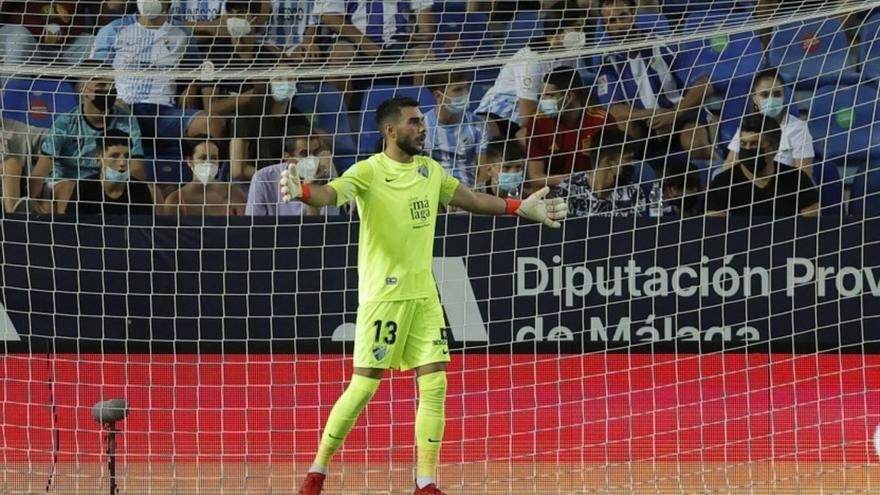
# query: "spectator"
209 19
683 194
44 32
657 93
204 196
19 145
513 99
374 27
151 41
796 144
314 165
456 138
758 185
69 149
608 188
294 32
113 191
560 138
506 172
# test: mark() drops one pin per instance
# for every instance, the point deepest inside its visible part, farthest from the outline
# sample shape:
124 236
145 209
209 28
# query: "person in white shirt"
513 99
456 138
153 41
796 144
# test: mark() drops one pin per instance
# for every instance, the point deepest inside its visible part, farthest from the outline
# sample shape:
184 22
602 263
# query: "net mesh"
703 322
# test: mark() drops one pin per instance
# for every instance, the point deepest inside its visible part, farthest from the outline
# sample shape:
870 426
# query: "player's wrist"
305 192
511 205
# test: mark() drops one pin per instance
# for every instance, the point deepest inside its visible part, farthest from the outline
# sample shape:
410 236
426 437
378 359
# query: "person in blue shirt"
655 93
456 137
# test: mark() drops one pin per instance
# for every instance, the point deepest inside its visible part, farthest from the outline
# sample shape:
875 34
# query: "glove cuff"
306 192
511 205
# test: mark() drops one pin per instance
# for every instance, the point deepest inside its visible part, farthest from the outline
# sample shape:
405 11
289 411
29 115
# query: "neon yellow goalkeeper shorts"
400 334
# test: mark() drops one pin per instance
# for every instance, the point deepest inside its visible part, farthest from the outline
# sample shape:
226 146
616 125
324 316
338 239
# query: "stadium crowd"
647 131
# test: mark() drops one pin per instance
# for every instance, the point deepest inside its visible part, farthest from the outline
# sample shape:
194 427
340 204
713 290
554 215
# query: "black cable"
56 434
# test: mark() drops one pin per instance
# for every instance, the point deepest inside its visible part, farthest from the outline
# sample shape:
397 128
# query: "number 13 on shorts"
400 334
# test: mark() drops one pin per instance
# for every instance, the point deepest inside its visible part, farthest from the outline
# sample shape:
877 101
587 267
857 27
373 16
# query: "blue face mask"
509 181
771 107
549 107
112 175
457 104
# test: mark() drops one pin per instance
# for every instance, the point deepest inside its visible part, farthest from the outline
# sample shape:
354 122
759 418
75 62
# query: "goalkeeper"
400 321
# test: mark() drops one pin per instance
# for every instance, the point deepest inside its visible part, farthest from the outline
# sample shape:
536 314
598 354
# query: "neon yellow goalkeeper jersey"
397 203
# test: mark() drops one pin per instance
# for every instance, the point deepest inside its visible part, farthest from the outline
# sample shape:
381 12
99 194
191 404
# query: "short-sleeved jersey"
796 142
562 148
457 147
129 45
397 203
72 142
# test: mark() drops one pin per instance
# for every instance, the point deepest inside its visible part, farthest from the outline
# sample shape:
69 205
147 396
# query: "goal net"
704 321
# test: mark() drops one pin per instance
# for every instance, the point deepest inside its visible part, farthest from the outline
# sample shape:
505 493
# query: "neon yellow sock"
430 422
342 418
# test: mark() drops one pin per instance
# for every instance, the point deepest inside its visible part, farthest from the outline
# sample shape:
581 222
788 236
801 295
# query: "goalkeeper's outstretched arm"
547 211
292 188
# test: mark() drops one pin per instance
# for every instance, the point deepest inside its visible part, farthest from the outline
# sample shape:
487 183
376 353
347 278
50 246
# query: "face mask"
283 90
457 104
103 101
206 171
307 167
150 9
574 40
238 27
549 107
750 160
509 181
113 175
771 107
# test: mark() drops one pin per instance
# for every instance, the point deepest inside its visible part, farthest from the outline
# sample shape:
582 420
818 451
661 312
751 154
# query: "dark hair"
390 109
610 141
568 80
241 6
112 137
603 3
190 145
770 73
296 133
561 15
440 79
507 150
766 127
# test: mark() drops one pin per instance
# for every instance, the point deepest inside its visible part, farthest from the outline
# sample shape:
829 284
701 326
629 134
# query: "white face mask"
238 27
574 40
150 9
307 167
205 172
283 90
52 28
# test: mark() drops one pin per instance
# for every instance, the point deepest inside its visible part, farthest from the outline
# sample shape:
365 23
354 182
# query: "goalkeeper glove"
536 208
292 187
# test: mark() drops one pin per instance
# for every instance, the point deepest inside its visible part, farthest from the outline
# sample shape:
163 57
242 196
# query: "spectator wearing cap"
758 185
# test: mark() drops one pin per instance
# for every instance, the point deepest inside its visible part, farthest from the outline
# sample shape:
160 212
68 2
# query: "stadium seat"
865 194
812 54
36 102
369 137
831 186
526 24
731 60
843 123
869 47
325 102
462 35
